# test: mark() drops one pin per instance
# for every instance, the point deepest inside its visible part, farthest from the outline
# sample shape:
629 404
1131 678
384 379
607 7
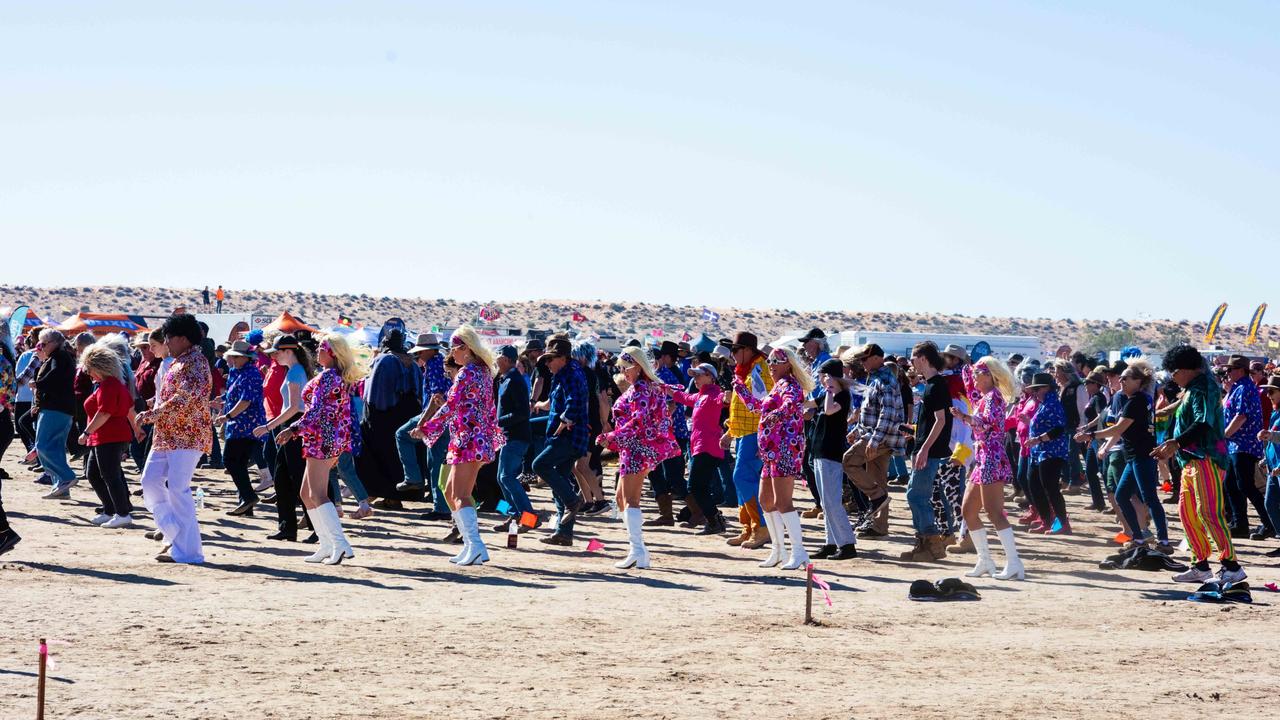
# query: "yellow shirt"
743 422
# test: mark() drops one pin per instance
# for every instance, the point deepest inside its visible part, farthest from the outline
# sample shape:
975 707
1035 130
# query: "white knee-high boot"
984 565
337 539
319 523
777 537
799 556
638 555
1013 569
476 553
466 539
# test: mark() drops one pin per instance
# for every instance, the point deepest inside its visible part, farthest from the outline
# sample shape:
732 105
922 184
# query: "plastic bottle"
513 533
613 510
199 498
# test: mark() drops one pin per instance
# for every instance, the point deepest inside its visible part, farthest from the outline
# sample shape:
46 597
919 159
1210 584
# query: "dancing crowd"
300 420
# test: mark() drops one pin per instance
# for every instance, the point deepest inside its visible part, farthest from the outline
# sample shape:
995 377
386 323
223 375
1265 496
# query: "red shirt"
271 385
111 397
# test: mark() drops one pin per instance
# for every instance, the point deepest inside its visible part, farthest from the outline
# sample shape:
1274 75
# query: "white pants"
166 491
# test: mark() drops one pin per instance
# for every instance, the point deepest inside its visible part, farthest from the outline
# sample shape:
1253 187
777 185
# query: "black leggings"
107 480
236 455
1046 496
6 430
26 424
703 475
288 476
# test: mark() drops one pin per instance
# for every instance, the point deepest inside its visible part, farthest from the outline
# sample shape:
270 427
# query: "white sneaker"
1194 575
61 492
265 481
1231 576
100 518
119 521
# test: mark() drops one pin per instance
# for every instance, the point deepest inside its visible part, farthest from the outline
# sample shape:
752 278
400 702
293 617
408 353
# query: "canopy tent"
702 343
363 336
287 323
102 324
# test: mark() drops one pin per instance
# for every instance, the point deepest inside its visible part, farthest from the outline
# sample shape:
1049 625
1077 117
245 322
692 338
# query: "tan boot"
948 539
811 513
911 554
744 517
965 546
664 518
759 538
937 546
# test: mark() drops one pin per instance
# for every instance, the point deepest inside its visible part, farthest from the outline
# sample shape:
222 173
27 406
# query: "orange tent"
287 323
102 324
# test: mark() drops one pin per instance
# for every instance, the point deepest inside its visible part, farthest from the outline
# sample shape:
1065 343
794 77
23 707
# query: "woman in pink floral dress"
325 431
781 438
990 387
468 413
642 436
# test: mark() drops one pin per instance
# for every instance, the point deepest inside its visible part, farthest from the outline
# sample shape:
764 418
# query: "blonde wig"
100 359
344 360
478 348
1001 377
638 357
799 372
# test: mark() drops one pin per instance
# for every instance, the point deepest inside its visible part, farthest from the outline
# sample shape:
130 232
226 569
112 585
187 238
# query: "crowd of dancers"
458 424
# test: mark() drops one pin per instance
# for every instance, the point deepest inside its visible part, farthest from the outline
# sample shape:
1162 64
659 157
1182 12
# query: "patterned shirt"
781 425
679 424
1244 400
8 383
569 402
182 420
243 384
470 417
434 379
325 426
988 419
882 412
1049 415
1201 407
743 422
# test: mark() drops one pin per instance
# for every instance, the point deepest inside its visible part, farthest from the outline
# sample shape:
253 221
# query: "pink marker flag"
1272 587
594 545
822 584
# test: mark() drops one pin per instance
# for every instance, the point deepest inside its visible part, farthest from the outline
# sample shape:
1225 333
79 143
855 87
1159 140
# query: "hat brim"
1037 387
421 348
233 353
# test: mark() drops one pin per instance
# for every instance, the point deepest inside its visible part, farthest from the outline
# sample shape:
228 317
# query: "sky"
1082 159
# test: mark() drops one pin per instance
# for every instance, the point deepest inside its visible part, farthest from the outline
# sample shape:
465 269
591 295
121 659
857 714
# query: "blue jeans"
747 467
728 495
510 460
920 497
1272 501
408 450
1140 476
346 469
830 477
555 465
898 466
51 445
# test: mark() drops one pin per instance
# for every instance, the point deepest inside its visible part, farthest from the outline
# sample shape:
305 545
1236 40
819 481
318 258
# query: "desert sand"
399 632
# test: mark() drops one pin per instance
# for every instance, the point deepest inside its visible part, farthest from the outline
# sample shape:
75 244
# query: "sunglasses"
456 342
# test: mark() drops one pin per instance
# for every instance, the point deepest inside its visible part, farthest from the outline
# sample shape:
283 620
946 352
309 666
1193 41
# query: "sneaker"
100 518
1194 575
1231 576
1164 548
1261 533
44 479
61 492
1273 553
119 521
595 508
411 487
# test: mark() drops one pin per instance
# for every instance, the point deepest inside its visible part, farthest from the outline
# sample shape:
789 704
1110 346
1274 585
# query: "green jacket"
1198 425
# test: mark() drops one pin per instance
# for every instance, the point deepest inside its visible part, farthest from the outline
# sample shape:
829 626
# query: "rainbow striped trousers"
1203 511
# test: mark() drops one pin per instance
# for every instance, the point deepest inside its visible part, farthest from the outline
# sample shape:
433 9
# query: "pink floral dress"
781 433
469 415
642 434
325 426
991 462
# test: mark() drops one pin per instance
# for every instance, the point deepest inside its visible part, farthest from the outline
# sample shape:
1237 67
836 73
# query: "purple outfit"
468 414
781 433
325 426
641 428
991 463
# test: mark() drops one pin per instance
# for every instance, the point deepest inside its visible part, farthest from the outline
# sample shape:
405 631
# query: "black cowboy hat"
1041 380
667 348
814 334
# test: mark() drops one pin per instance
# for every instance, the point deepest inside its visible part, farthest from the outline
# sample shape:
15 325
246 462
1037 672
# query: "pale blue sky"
975 157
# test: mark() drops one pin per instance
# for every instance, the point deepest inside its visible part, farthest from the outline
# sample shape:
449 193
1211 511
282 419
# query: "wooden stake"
808 594
44 657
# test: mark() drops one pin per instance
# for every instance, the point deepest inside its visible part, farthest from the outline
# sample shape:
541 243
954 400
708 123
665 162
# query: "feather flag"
579 317
1254 324
1214 322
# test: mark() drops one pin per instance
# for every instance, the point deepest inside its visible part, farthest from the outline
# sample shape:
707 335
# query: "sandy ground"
538 633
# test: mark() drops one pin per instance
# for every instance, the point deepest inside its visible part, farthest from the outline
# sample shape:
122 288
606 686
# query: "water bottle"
199 498
513 533
613 510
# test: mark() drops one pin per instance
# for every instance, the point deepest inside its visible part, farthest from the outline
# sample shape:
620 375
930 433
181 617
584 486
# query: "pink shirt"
705 432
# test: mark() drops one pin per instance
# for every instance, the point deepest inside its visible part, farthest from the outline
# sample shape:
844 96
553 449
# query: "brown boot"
948 539
744 517
937 546
759 538
914 551
696 516
811 513
664 518
965 546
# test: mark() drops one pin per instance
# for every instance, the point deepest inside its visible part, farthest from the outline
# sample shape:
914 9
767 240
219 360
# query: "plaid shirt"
882 412
743 422
569 402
